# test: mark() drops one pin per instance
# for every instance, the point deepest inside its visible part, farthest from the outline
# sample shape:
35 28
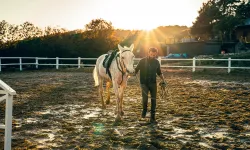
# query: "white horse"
120 67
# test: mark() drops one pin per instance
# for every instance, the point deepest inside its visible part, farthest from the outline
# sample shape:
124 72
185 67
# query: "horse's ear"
131 47
120 47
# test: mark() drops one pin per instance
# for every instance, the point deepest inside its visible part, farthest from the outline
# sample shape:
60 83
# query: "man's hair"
153 49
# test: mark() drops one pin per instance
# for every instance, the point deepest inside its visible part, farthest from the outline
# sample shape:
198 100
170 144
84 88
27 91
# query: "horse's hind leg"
108 85
101 93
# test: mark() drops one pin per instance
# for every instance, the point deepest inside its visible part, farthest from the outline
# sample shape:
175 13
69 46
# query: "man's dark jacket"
148 67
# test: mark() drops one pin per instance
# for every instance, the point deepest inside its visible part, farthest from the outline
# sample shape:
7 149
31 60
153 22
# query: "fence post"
20 62
159 59
193 64
57 62
0 65
229 65
8 122
79 62
36 63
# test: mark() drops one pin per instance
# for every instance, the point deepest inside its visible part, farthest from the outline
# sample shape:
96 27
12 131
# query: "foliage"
98 37
31 41
208 14
243 11
218 18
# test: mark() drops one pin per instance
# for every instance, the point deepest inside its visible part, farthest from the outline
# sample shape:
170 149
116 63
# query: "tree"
208 15
99 34
99 28
218 18
3 31
54 30
243 11
228 7
228 19
28 30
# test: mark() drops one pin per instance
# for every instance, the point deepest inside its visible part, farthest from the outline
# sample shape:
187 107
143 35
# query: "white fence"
79 62
195 63
7 94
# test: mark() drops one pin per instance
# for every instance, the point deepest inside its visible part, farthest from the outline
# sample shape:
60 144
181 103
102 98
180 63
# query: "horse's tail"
95 75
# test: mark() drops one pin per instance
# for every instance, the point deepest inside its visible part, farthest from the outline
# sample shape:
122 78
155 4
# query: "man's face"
152 54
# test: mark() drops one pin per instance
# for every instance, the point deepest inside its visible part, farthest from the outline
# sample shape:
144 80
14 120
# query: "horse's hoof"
118 119
122 113
103 107
107 101
117 123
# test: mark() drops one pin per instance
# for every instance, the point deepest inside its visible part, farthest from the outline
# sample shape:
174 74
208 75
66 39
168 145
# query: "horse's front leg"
118 110
108 85
121 91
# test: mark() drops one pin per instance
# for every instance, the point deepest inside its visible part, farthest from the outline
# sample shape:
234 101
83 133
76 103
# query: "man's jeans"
146 88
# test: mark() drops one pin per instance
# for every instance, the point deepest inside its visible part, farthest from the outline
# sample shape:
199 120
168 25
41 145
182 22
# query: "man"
149 67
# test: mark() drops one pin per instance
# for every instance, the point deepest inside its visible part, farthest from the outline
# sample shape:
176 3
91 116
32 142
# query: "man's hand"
132 74
163 83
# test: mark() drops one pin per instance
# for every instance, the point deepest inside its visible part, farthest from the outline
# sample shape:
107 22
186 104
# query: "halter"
119 65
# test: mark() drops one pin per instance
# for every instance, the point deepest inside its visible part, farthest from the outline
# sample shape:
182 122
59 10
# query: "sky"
123 14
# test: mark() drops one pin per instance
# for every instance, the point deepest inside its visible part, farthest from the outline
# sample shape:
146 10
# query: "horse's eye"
122 57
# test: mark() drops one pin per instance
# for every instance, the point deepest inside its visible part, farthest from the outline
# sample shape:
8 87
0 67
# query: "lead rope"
119 68
164 91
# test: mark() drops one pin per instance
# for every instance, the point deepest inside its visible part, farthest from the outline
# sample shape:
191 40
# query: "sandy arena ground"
61 110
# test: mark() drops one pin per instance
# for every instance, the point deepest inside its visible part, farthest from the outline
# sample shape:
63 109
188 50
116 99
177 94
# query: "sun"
148 27
143 24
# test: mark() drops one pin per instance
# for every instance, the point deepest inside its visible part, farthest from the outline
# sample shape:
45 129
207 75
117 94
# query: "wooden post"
36 63
229 65
8 122
57 62
193 64
79 62
159 59
20 62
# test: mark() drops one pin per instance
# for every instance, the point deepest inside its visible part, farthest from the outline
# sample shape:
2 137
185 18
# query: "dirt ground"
61 110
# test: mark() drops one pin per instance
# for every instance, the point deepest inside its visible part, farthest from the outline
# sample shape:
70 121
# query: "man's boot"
152 119
143 114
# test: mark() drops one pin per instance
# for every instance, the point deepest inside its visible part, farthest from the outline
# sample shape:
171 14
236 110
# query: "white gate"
6 93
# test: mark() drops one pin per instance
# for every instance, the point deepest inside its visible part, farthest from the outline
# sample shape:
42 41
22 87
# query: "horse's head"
127 58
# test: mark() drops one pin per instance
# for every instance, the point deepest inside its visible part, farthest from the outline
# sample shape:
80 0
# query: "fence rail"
80 62
7 94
